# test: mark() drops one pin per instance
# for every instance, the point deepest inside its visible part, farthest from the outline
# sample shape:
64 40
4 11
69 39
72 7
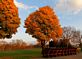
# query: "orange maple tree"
43 24
9 19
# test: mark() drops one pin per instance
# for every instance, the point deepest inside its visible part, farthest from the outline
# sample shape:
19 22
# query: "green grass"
22 54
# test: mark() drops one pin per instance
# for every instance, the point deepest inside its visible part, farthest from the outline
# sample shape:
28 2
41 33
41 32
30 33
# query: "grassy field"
21 54
34 53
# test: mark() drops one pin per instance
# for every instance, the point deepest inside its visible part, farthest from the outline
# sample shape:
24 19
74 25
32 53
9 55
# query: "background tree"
43 24
9 19
71 36
13 45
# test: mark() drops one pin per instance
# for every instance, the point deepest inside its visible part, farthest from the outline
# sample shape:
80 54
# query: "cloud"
69 6
23 6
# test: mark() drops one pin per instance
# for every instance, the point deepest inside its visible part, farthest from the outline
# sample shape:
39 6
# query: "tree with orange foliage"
9 19
43 25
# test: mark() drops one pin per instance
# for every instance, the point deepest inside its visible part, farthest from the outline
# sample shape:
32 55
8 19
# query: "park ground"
34 53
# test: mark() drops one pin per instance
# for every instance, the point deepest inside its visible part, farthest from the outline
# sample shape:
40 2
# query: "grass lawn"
34 53
22 54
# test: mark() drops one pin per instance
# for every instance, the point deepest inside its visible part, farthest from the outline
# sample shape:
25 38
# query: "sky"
69 13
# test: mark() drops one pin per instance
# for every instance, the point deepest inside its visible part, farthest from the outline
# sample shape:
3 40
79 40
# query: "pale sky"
69 13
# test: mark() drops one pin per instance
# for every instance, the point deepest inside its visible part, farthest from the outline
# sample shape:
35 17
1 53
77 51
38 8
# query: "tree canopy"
43 24
9 18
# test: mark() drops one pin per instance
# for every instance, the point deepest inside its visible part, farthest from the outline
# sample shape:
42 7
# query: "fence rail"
54 52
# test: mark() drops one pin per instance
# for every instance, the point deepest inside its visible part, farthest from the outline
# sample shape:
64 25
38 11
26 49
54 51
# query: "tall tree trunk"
43 44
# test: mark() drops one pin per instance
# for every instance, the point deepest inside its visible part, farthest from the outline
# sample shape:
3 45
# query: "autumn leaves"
42 24
9 19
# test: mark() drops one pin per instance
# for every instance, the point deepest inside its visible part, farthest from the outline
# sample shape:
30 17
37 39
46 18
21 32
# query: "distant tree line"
14 45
